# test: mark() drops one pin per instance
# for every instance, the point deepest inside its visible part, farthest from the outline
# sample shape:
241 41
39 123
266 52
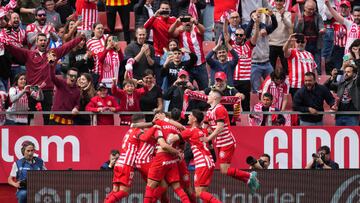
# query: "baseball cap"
220 75
101 85
347 3
183 72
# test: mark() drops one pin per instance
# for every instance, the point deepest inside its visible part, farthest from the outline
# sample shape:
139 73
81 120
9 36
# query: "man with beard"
340 36
141 52
300 61
348 93
310 99
242 71
65 88
5 57
190 34
37 67
39 26
221 85
18 38
352 27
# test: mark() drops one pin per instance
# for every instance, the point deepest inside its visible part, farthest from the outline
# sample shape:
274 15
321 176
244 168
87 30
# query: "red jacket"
37 66
108 101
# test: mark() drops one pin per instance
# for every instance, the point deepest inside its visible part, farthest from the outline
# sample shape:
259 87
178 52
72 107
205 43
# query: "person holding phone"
110 60
160 24
300 61
190 34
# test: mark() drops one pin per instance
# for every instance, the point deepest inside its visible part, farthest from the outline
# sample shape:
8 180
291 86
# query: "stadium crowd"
187 55
262 52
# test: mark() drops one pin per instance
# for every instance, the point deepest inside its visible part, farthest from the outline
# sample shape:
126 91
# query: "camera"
23 183
321 155
252 161
185 19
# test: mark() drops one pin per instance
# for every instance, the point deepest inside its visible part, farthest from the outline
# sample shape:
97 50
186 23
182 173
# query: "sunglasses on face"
239 35
41 15
222 52
234 17
72 76
300 41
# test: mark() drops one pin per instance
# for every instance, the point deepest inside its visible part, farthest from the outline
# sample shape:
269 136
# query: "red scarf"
236 101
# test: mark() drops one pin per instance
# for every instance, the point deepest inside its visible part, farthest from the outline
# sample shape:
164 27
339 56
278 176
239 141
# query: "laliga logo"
47 195
355 194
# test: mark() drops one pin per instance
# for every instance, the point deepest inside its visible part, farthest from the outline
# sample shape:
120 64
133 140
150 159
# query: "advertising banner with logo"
277 186
86 148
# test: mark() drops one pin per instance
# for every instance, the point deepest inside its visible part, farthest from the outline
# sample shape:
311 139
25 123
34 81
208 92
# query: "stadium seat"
207 46
122 45
132 22
103 20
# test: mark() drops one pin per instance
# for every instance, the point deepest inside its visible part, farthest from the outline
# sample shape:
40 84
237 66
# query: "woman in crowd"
110 61
71 30
97 46
87 91
152 99
18 97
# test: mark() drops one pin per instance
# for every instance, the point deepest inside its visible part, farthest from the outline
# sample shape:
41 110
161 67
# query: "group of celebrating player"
155 150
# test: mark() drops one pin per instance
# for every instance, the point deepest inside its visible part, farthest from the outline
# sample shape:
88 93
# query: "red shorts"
203 176
184 174
123 174
164 165
144 170
225 154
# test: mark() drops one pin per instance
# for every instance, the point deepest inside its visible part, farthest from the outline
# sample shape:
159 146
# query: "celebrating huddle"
156 150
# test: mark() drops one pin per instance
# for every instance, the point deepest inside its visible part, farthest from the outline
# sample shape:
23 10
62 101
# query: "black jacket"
313 98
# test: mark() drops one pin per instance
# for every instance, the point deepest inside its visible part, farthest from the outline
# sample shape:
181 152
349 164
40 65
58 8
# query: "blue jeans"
347 120
305 123
200 74
208 22
259 71
328 42
21 195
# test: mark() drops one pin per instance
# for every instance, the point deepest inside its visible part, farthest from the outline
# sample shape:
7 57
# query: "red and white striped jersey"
89 13
243 68
147 145
35 28
192 41
166 131
299 63
353 33
96 46
202 155
17 38
278 92
129 147
340 33
219 113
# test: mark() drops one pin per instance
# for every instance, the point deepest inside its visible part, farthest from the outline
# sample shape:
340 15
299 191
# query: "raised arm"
254 38
286 48
335 14
175 28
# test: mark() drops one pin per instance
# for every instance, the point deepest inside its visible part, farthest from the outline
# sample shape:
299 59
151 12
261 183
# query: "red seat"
103 21
132 22
208 46
122 45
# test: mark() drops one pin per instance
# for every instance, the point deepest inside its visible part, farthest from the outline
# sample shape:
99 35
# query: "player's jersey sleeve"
220 115
186 134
